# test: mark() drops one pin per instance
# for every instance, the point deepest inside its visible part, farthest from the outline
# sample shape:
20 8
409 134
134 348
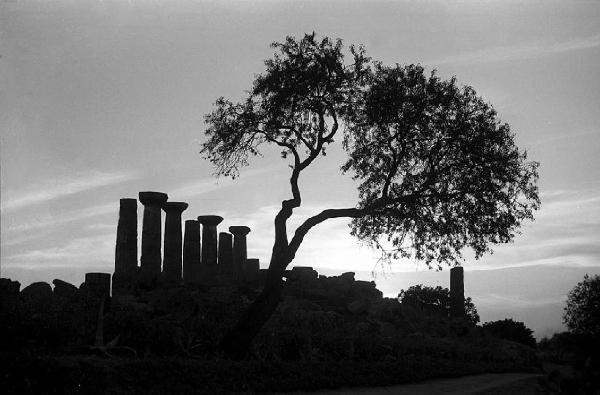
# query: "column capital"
239 230
210 220
152 198
174 207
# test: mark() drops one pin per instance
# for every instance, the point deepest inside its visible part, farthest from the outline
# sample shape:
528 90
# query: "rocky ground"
329 332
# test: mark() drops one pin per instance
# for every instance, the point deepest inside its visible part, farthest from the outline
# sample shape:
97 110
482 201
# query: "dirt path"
484 384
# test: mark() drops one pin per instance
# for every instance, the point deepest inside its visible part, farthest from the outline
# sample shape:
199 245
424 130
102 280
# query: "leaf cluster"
582 312
438 171
295 104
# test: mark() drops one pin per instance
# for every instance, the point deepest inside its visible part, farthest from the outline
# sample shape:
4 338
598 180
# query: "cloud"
196 188
58 188
565 233
15 234
74 253
520 51
552 139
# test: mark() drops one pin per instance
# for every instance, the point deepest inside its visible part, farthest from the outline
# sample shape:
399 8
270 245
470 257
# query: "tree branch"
317 219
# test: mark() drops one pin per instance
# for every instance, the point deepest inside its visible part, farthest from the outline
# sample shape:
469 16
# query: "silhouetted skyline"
104 99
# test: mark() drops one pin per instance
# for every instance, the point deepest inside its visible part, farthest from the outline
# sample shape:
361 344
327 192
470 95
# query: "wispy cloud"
74 253
196 188
520 51
57 188
565 136
15 234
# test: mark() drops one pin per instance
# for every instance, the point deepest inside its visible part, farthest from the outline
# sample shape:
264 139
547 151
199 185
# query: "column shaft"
151 235
225 263
126 247
209 246
173 242
191 252
240 251
151 239
457 292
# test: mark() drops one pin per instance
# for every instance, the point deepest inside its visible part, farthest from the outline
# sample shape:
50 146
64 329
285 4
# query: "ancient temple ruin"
201 255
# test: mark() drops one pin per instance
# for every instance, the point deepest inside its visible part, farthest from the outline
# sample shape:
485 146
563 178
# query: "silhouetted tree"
582 313
511 330
438 172
436 300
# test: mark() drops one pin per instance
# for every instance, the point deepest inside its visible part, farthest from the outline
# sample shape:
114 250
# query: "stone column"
457 292
191 252
97 285
225 265
240 252
253 270
151 231
126 246
172 247
209 244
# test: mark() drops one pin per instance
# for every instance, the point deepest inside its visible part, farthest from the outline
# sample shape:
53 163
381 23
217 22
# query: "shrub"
435 300
510 330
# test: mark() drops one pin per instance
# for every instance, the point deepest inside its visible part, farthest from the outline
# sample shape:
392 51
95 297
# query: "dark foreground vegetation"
327 333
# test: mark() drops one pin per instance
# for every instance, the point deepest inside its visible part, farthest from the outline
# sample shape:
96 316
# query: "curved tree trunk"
237 341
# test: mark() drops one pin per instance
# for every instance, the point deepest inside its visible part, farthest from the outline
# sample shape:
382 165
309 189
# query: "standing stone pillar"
240 251
126 246
97 285
191 252
172 247
253 270
225 265
209 245
457 292
151 232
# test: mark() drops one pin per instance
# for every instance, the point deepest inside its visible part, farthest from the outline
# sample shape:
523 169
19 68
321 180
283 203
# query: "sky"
102 99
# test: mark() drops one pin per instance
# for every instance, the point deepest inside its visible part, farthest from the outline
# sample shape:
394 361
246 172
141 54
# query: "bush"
435 300
510 330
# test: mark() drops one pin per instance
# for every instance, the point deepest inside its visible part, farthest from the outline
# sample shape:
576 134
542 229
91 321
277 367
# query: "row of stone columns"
201 262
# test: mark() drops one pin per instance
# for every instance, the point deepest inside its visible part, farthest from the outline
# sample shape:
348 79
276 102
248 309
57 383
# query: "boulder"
9 295
347 277
64 289
38 291
358 306
303 274
9 287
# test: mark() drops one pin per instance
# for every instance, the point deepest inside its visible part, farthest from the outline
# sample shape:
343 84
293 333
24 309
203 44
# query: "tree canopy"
437 171
582 313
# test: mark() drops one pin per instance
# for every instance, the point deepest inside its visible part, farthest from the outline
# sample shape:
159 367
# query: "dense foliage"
437 300
582 313
511 330
438 171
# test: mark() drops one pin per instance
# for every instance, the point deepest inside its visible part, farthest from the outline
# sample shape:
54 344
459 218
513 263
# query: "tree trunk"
237 341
